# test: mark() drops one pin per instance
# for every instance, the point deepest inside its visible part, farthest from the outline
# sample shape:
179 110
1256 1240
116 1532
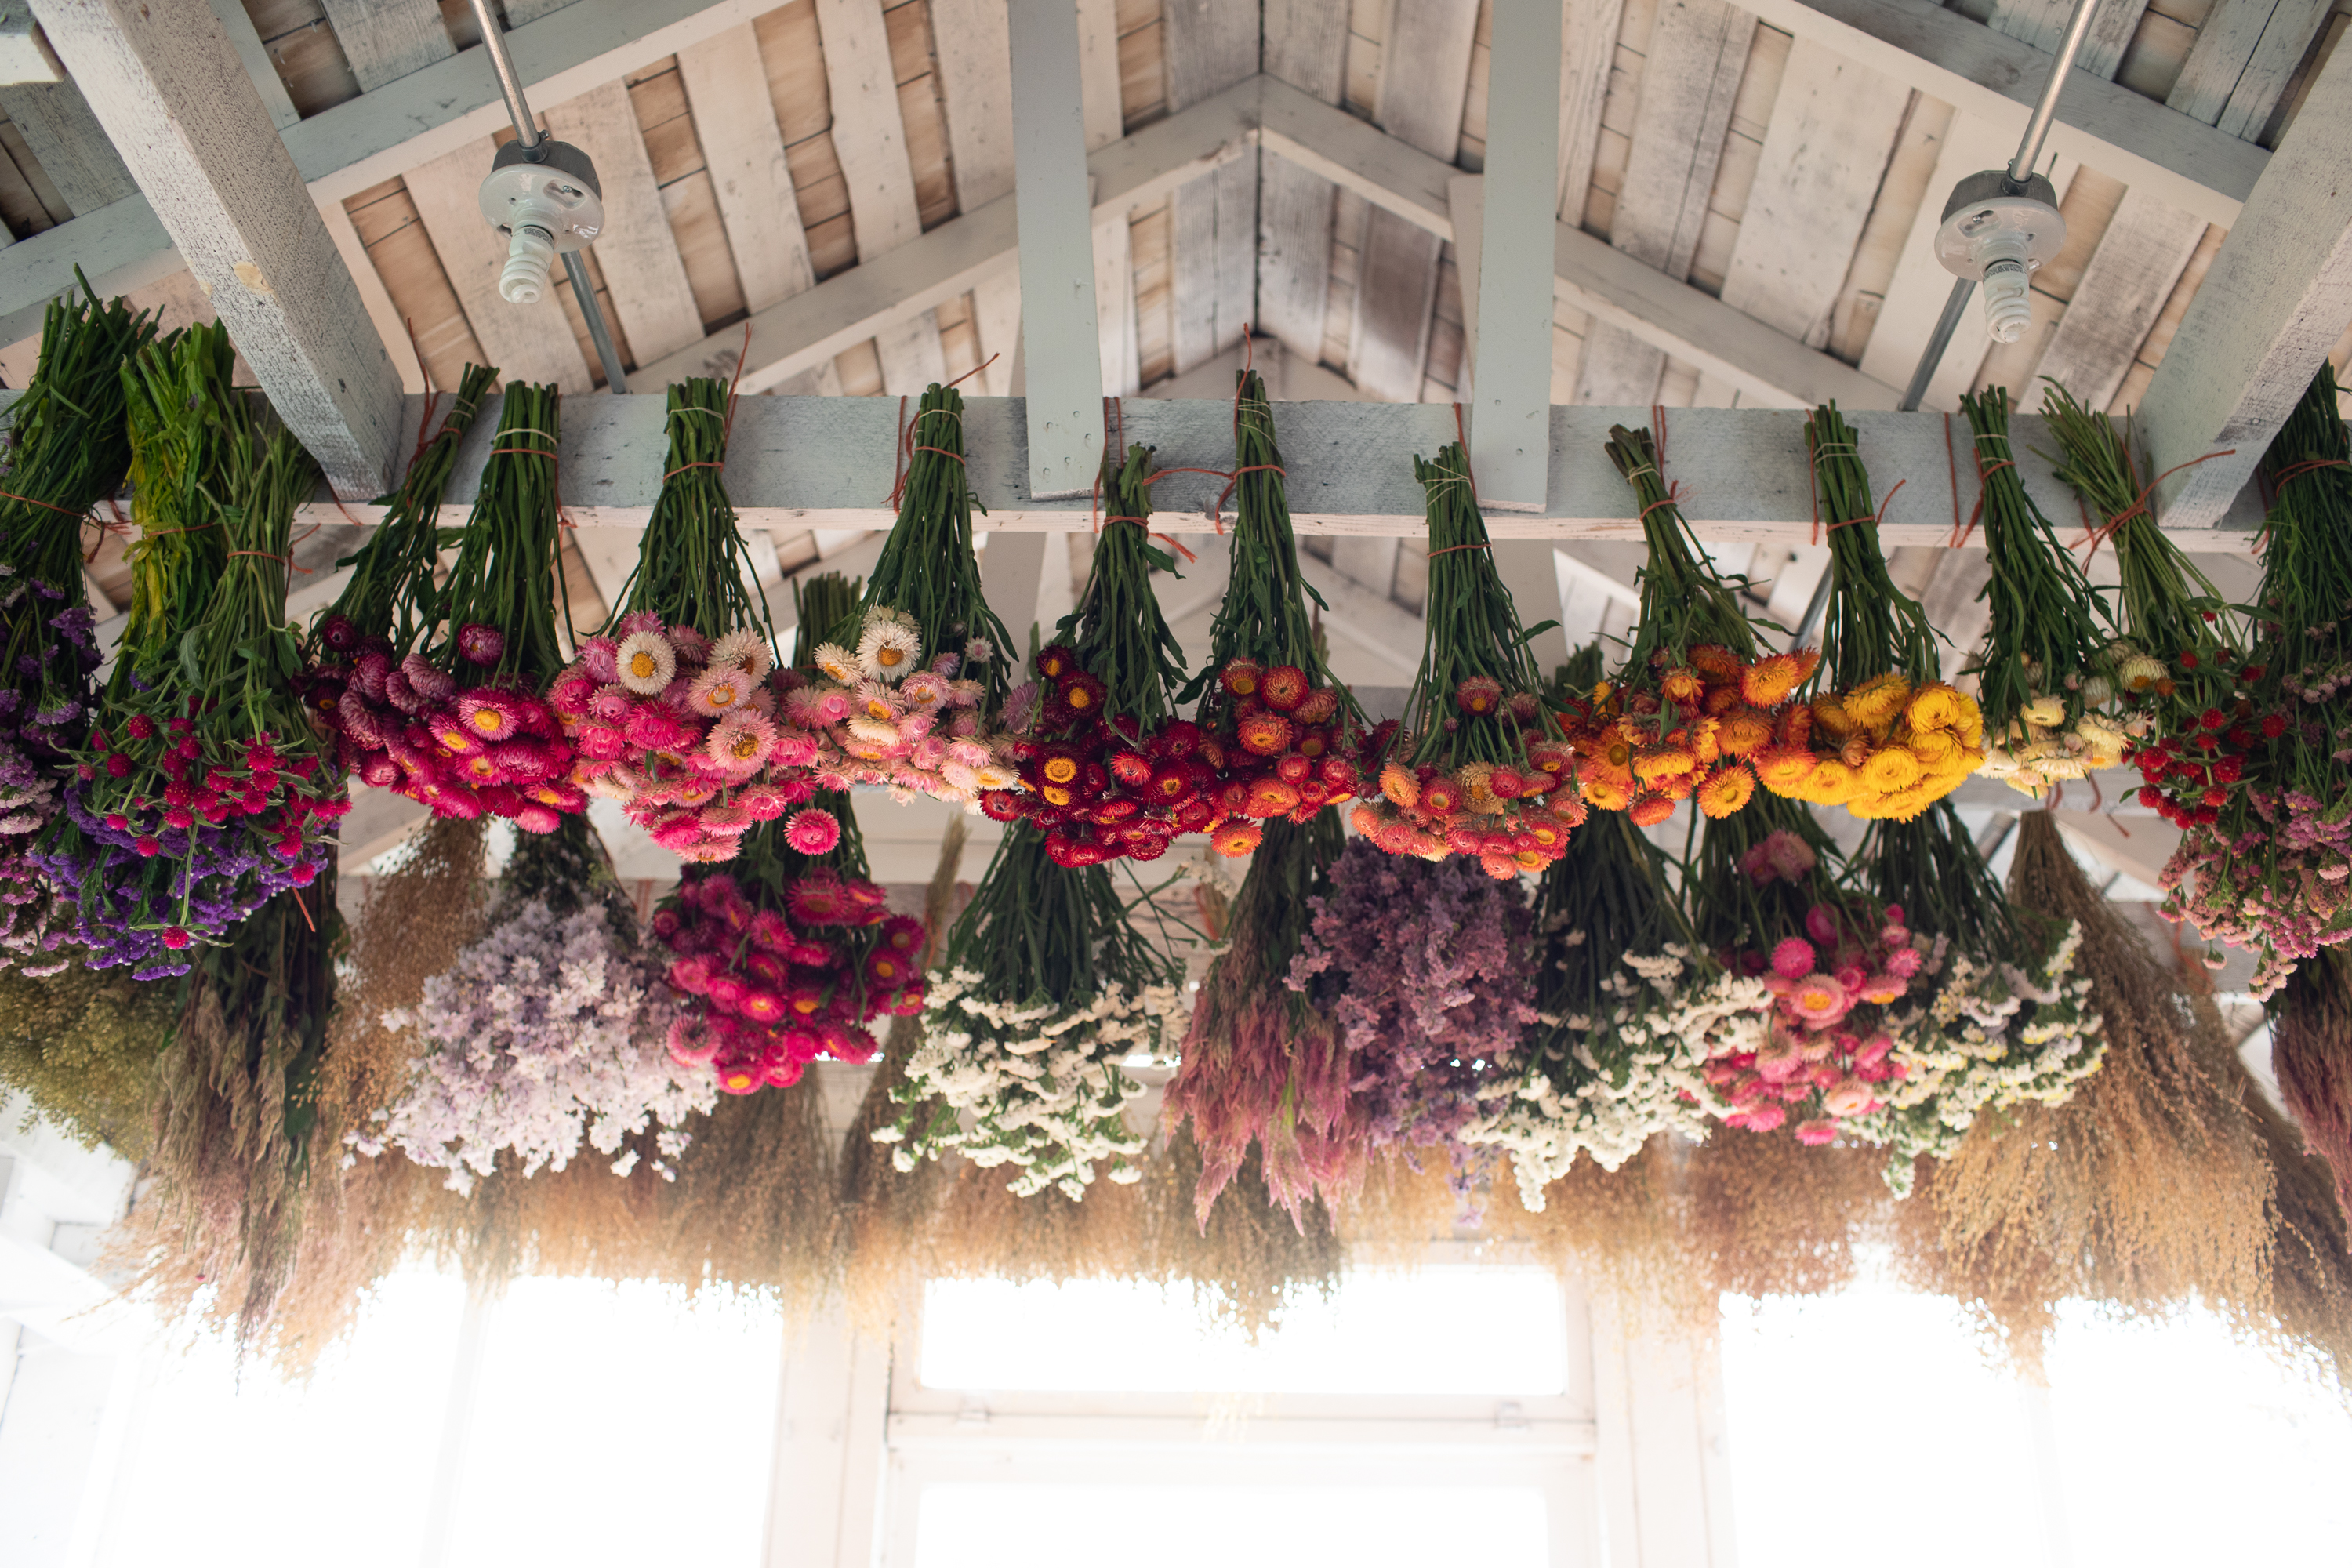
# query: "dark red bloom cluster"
409 728
2192 771
787 972
1281 748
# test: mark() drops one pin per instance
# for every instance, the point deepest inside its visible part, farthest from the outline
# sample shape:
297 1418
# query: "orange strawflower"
1717 663
1397 783
1725 790
1650 809
1769 680
1744 732
1784 769
1682 684
1235 838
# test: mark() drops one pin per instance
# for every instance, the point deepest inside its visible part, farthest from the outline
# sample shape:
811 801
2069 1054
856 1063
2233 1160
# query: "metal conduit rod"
2021 167
528 136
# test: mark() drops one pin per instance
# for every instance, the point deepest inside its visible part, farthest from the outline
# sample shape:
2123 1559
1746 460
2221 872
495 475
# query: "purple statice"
1428 969
28 799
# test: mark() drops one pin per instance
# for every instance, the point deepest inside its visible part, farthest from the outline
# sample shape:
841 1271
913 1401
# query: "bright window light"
1232 1526
1409 1333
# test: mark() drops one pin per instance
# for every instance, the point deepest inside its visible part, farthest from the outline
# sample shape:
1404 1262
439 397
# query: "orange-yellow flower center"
1061 770
1080 696
642 665
490 720
889 657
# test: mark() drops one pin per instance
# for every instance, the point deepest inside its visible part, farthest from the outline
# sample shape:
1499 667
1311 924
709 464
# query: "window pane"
614 1425
1443 1329
1233 1527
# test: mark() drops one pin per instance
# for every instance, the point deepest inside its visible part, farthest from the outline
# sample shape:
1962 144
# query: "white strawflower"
888 649
745 647
647 662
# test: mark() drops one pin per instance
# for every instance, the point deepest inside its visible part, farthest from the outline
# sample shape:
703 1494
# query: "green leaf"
188 662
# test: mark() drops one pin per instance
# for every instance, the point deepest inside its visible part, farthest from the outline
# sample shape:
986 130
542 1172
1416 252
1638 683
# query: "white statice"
548 1033
1993 1036
1604 1085
1035 1085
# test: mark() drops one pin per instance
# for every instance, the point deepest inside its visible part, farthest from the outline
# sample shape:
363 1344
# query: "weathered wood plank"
637 251
527 342
1424 81
1212 46
727 86
825 463
1061 341
2249 48
258 68
2270 310
163 78
2146 248
2043 23
1588 48
1306 46
386 39
68 144
869 135
1832 130
976 95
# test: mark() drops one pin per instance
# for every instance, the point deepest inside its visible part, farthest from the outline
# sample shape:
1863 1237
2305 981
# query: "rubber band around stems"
2094 537
1115 435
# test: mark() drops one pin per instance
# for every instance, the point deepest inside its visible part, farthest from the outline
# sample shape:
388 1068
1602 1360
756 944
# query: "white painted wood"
1510 428
869 137
1305 47
238 25
1698 51
1424 81
2234 35
527 342
390 326
162 77
1012 573
636 252
1389 173
726 89
972 253
1114 307
1998 79
1588 48
24 57
121 248
68 143
519 12
1211 46
2271 306
2146 248
974 55
1529 569
1098 71
831 1418
1826 148
1062 345
386 39
2043 23
825 463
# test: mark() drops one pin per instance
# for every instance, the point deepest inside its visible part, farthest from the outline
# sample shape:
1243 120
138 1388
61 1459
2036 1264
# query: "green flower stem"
510 570
1870 627
1117 631
693 569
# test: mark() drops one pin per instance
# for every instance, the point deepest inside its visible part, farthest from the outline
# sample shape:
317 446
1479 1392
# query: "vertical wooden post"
1062 348
2273 304
173 94
1510 427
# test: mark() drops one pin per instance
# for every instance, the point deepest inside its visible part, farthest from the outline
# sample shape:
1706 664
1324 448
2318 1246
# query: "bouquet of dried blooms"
202 788
1111 769
1696 704
1481 766
1277 730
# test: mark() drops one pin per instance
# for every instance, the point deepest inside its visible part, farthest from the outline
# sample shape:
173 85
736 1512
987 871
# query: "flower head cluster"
683 730
877 713
1882 749
1273 744
1694 727
546 1035
787 957
1510 817
28 799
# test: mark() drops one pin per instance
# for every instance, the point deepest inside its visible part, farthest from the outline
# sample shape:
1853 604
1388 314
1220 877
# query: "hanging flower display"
1111 771
202 789
1889 737
1481 766
355 679
2265 857
908 688
1428 971
68 449
1050 988
1279 733
474 736
788 955
550 1032
2036 672
670 707
1696 703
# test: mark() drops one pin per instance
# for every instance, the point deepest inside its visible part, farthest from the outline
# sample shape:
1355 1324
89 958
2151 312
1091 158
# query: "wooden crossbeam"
826 463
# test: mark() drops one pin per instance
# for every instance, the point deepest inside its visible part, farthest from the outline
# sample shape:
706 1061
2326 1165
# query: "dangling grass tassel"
2311 1052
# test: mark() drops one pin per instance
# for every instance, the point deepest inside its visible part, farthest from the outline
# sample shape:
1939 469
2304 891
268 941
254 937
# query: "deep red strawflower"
2187 660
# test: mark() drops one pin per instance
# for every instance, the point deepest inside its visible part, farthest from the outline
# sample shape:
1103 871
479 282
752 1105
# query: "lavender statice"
548 1033
1428 969
28 799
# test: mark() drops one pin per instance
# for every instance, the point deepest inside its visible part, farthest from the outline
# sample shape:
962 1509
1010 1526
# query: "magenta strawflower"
812 831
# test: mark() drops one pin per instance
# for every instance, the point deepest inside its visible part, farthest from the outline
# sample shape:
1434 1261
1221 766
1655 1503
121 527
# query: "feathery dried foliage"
1770 1216
2148 1189
2311 1257
2311 1053
582 1222
1249 1262
1624 1235
2007 1288
83 1045
1401 1208
984 1230
753 1208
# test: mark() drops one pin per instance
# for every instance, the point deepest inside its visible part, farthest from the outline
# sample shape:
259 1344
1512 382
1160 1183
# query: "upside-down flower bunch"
1049 989
472 733
2265 857
1833 961
363 647
2036 674
67 450
1888 738
1278 731
1481 766
1428 970
548 1034
1696 700
908 686
201 788
786 955
1630 1010
670 707
1111 771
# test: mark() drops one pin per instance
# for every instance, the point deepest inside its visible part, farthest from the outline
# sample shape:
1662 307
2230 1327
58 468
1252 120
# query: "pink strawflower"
725 820
640 621
1793 958
792 749
480 644
677 834
601 742
570 694
1903 962
487 715
740 743
1819 1000
812 831
1816 1132
924 689
1763 1119
764 803
691 643
968 752
612 704
655 728
691 1045
538 818
600 657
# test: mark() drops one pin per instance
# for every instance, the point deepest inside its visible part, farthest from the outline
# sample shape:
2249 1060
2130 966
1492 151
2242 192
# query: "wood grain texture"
637 251
1306 47
2142 254
163 80
1211 45
1916 294
1832 130
2043 23
868 133
976 91
2247 47
1509 370
386 39
726 84
1588 48
1423 85
1061 341
527 342
66 139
